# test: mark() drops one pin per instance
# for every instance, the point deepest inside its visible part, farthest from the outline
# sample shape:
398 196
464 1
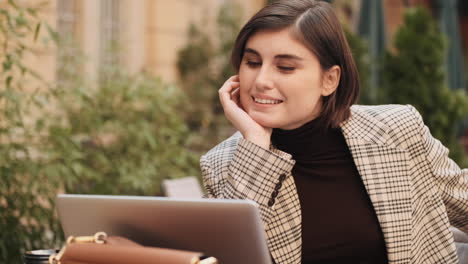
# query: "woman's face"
281 82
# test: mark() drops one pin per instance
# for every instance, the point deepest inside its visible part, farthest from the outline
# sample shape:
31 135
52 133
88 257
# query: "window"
109 33
66 29
66 17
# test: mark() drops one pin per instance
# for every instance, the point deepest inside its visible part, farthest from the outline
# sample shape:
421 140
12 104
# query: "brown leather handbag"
101 249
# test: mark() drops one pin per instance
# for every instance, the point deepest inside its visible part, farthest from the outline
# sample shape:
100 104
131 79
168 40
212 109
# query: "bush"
359 48
414 75
27 218
204 65
123 135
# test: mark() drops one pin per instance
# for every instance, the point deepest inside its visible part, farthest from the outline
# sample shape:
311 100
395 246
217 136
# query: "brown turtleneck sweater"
339 224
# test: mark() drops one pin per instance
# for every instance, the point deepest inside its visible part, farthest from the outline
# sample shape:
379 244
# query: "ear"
330 80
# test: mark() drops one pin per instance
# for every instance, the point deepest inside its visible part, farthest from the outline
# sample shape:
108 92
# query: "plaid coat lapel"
384 171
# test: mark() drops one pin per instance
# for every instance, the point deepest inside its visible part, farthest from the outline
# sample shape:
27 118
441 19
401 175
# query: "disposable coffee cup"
40 256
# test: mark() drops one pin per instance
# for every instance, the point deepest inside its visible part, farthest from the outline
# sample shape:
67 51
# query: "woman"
335 182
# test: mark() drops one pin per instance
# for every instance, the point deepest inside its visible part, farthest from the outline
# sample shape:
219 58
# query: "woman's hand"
229 95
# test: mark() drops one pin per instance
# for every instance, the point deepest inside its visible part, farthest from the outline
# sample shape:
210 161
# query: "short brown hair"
315 24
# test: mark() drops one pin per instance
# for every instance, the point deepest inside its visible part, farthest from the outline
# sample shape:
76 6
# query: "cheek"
245 85
304 95
244 97
246 75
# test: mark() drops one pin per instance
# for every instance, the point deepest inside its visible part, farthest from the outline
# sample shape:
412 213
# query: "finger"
225 93
235 95
234 92
229 86
231 79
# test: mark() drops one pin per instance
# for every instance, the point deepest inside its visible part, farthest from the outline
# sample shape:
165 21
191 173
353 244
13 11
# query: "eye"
285 68
253 64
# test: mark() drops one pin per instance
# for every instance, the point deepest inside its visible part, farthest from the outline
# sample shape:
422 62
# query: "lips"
266 101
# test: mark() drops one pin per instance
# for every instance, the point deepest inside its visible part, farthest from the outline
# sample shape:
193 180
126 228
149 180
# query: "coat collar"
385 172
364 126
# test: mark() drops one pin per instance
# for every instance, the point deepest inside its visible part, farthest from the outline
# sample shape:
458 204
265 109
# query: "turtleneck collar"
309 142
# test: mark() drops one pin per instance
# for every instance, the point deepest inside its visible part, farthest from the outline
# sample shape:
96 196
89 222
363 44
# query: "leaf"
36 31
8 81
52 33
32 11
8 63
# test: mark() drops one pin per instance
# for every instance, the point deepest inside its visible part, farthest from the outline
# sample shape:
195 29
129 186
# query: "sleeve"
252 173
452 181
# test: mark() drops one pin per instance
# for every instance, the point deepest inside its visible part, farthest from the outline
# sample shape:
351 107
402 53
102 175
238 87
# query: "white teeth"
266 101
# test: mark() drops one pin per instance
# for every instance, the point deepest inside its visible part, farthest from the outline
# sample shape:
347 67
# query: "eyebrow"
279 56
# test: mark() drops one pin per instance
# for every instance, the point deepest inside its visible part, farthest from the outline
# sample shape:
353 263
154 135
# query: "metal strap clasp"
98 238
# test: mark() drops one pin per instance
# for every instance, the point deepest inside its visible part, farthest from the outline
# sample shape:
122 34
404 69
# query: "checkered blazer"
416 190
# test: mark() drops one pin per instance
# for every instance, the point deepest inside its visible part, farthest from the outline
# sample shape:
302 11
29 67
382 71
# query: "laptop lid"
230 230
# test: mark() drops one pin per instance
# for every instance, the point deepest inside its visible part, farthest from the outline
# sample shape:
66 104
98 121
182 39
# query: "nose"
264 80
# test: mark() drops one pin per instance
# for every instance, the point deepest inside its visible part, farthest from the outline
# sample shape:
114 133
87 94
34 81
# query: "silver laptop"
230 230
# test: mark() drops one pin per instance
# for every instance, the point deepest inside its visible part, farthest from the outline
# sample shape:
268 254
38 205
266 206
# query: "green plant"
414 75
359 48
123 136
196 73
204 65
27 218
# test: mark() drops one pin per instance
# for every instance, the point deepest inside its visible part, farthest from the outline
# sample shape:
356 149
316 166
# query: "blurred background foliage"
359 48
204 65
126 133
414 74
122 135
27 218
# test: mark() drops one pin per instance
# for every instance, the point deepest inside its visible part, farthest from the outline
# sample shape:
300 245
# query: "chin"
267 121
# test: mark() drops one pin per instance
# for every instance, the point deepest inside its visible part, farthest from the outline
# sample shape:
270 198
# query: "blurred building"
149 33
139 35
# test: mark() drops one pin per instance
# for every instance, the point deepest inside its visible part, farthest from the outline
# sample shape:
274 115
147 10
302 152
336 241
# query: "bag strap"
101 238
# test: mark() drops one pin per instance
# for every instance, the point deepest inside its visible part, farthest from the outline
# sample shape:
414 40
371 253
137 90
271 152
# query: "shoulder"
387 112
393 116
388 124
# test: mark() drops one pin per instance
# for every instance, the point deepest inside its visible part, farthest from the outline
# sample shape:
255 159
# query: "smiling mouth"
266 101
